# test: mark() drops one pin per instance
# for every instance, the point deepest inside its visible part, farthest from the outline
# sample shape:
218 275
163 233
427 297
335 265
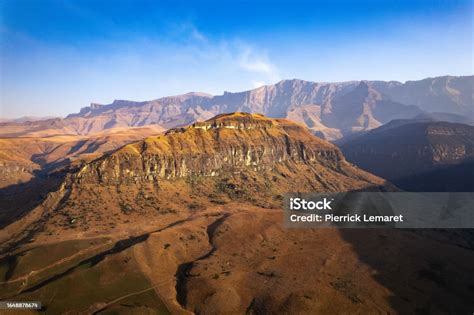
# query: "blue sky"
58 56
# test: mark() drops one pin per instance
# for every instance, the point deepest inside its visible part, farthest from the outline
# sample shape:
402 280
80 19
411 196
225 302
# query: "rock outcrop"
226 144
239 157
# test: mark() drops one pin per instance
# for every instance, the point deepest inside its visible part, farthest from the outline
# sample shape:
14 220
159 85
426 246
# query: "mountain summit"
238 156
230 145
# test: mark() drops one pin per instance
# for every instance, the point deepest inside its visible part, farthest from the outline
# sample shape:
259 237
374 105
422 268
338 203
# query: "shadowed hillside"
417 156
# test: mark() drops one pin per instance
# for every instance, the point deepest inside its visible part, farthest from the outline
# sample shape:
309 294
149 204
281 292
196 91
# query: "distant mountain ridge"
330 110
450 94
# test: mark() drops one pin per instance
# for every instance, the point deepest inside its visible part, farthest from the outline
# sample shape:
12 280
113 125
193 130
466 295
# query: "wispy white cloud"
256 62
188 31
197 35
145 68
235 56
253 63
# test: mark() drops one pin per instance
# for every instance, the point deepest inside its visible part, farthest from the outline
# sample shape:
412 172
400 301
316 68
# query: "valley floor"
236 258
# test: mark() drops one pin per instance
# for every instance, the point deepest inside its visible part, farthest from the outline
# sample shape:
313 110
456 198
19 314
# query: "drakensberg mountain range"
191 222
330 110
182 186
271 156
236 157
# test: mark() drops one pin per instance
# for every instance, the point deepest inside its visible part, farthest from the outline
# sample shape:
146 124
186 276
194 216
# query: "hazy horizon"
59 57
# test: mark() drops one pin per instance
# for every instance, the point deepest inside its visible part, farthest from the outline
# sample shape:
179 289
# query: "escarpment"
244 158
228 143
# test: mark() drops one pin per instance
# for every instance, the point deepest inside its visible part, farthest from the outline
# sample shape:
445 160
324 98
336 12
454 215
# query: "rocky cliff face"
447 94
450 143
244 158
330 110
226 144
364 108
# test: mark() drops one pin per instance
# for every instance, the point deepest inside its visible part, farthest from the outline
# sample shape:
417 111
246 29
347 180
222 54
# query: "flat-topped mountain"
330 110
231 156
228 145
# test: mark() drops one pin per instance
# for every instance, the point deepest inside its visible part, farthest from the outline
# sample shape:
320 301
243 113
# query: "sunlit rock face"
330 110
227 143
